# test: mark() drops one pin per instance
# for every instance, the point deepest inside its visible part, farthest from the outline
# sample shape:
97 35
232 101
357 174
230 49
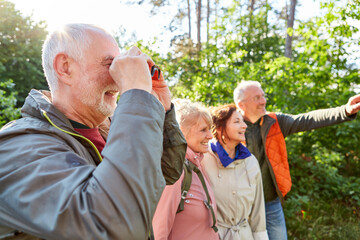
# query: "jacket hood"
39 102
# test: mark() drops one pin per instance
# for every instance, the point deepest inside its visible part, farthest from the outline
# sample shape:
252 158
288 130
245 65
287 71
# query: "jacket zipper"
74 134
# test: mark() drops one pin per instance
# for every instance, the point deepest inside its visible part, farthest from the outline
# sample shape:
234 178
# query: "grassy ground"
322 220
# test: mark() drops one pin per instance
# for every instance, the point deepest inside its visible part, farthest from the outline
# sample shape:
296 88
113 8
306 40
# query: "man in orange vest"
265 138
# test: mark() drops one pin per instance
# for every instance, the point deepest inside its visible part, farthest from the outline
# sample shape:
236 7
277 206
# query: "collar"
194 157
241 152
78 125
258 122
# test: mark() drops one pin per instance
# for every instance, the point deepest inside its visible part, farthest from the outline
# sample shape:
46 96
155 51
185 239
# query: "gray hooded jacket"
53 186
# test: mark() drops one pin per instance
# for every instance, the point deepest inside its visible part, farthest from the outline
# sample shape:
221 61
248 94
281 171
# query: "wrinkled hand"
160 89
353 105
130 70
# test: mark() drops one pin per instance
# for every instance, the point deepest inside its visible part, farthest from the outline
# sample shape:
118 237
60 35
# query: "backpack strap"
206 202
185 186
188 168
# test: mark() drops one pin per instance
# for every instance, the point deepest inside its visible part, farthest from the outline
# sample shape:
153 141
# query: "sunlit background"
134 18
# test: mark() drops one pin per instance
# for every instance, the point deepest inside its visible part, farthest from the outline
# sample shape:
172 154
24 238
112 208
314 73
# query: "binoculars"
153 70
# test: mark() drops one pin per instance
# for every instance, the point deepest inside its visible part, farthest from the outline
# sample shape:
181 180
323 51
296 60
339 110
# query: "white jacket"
239 197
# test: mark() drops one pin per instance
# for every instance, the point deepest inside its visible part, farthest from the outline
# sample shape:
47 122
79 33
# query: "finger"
357 97
148 60
134 51
354 108
124 53
357 106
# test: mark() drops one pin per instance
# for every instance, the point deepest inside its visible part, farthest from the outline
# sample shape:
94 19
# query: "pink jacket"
195 221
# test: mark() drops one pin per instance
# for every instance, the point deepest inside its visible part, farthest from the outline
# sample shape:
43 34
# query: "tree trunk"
250 28
267 17
251 6
251 11
208 22
290 24
199 25
189 17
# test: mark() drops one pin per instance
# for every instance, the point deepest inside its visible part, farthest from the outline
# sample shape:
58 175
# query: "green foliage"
322 220
322 196
324 163
20 50
235 51
8 102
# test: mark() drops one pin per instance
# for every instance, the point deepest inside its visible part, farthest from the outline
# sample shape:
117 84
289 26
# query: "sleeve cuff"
260 235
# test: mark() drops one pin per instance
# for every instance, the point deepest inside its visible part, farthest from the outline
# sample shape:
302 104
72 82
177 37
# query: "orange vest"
275 148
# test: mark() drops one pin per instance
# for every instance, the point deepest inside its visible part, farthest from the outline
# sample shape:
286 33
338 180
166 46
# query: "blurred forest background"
302 66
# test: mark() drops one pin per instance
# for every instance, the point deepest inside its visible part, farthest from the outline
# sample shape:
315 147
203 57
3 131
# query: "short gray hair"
189 113
239 91
73 40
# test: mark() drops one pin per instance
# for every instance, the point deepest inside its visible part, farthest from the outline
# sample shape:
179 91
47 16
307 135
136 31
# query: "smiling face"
198 136
235 128
95 90
253 106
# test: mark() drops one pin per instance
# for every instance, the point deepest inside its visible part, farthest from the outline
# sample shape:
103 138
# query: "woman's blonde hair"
190 113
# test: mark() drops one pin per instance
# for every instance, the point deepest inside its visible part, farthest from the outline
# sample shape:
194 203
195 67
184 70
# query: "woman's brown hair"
220 116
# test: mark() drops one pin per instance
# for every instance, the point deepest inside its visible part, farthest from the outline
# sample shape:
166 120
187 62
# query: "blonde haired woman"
235 178
194 216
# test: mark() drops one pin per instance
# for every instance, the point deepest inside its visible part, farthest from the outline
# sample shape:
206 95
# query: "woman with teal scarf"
235 178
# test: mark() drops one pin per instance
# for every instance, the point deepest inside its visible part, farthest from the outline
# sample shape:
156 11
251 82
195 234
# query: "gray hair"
189 113
239 91
73 40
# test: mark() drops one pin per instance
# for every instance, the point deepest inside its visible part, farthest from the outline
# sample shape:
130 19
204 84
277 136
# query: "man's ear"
62 67
240 105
